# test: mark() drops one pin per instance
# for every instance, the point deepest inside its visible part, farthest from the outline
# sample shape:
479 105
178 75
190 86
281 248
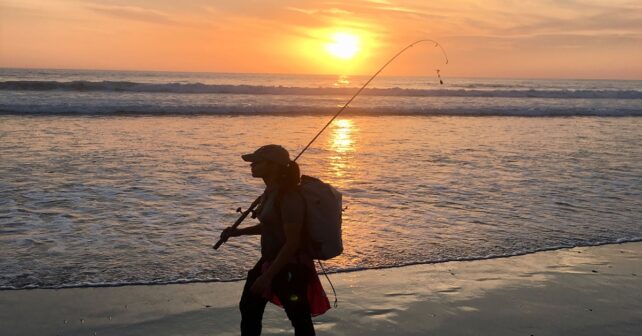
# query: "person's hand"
262 285
229 232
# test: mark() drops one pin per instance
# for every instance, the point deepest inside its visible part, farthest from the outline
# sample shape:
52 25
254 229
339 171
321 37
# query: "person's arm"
292 211
250 230
235 232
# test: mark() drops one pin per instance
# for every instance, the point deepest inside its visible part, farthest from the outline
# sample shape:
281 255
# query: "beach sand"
578 291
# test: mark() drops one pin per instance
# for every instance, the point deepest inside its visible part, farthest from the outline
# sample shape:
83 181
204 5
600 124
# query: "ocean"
114 178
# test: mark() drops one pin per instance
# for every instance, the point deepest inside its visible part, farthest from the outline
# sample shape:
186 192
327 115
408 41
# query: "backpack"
322 218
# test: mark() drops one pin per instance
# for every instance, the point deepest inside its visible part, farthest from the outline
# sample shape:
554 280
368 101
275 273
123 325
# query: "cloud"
604 22
133 13
397 9
330 11
499 20
11 9
301 10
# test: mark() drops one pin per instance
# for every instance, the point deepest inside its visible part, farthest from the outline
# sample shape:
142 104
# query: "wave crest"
196 88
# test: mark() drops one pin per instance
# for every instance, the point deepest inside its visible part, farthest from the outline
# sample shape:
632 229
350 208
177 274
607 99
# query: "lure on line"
439 76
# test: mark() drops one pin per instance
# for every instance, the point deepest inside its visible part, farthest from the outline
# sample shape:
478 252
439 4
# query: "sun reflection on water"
342 141
342 144
342 80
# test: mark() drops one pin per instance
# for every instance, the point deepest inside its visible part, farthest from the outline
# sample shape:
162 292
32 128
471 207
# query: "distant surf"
196 88
84 92
294 110
466 99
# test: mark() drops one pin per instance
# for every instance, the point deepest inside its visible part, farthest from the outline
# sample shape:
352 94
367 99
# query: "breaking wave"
200 88
302 110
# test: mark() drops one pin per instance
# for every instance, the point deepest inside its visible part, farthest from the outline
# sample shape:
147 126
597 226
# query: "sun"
343 45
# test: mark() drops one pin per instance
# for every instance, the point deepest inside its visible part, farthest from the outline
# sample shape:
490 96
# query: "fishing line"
368 82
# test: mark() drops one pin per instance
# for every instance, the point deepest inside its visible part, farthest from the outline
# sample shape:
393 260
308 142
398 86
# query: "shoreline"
187 282
594 290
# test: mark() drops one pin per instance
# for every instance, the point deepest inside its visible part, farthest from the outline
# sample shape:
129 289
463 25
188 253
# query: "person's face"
261 168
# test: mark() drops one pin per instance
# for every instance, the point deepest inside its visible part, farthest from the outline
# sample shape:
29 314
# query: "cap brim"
250 157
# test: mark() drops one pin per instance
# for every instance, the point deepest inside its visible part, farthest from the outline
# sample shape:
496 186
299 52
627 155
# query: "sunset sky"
490 38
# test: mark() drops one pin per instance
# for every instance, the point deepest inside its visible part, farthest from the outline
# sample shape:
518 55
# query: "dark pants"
290 285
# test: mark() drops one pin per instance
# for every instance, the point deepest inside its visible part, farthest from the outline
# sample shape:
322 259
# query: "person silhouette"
285 273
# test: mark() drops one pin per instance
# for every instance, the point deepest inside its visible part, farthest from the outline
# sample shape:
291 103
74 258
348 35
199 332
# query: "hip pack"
322 218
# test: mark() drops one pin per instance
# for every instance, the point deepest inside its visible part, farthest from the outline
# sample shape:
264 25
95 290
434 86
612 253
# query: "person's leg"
251 306
291 285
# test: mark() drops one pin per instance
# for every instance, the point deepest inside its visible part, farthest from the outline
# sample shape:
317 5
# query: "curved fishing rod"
257 201
366 84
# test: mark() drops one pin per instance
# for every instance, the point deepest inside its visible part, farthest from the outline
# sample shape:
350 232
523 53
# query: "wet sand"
578 291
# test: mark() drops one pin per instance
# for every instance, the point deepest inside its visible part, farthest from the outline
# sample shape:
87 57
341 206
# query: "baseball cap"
273 153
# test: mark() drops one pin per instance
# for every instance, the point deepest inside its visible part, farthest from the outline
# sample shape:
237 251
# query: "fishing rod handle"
239 221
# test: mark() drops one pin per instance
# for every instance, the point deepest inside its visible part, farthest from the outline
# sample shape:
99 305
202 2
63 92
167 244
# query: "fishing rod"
245 213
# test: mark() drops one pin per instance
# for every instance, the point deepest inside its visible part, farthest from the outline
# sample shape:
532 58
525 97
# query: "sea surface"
114 178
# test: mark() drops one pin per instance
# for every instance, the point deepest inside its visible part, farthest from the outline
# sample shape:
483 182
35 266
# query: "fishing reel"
253 213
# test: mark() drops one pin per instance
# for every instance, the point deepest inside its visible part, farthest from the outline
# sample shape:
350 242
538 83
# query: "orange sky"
490 38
